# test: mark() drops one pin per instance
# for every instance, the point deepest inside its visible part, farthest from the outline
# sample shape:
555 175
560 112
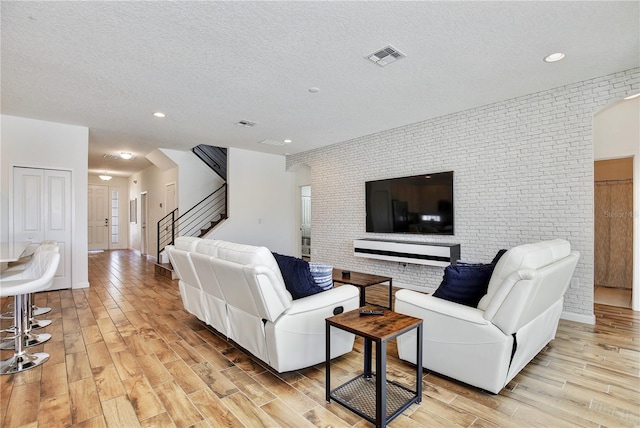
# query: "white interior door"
169 198
98 212
42 211
144 239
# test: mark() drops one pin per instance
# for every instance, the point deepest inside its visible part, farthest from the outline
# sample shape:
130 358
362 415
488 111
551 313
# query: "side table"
370 394
362 281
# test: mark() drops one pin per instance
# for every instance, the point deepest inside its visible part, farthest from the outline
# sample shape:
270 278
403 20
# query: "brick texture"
523 172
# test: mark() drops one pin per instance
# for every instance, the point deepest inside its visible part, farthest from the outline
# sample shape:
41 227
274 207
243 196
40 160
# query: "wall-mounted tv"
420 204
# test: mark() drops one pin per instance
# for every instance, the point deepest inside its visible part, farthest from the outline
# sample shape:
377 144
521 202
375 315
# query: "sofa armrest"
331 297
443 307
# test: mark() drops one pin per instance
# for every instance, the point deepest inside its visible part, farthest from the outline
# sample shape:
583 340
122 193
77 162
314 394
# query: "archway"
616 131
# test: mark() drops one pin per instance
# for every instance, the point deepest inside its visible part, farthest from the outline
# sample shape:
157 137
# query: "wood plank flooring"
124 353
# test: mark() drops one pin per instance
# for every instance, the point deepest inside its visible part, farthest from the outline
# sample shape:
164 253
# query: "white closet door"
42 211
98 222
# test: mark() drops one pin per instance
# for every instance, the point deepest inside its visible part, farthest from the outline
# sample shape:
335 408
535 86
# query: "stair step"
166 270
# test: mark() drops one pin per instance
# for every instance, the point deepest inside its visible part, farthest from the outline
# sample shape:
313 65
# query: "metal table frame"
381 417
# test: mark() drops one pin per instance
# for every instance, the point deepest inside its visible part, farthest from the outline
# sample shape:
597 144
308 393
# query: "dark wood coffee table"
362 281
370 394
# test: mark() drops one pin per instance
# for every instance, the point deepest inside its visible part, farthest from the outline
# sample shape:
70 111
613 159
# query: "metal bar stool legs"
21 360
37 311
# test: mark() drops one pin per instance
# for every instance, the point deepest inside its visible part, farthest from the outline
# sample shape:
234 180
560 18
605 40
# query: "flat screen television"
420 204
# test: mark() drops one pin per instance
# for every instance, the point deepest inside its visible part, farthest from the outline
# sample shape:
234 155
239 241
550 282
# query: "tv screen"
421 204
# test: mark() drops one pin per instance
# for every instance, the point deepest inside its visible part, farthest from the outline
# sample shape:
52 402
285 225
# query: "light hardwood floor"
124 353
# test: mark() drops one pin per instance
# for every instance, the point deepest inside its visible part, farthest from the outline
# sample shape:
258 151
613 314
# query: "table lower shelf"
359 395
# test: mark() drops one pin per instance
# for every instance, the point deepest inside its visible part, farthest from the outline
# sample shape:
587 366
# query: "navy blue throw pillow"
297 276
466 283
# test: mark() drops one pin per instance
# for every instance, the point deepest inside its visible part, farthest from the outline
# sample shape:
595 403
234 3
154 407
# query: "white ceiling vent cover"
386 55
272 142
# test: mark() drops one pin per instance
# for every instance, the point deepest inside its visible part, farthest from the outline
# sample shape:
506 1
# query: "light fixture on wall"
105 177
630 97
126 155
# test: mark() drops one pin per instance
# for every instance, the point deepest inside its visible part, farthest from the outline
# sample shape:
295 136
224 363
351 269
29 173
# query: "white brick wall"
523 172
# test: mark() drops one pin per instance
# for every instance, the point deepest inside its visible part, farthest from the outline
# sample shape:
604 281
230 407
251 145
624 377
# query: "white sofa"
239 291
488 345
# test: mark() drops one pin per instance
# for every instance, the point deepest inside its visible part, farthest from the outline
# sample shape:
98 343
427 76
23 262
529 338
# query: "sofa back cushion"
523 257
186 243
179 256
208 247
251 280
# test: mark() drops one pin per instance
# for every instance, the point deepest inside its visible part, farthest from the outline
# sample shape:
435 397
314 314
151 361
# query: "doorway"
613 231
305 222
144 238
98 213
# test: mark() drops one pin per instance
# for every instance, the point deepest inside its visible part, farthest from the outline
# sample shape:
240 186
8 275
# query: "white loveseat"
239 290
488 345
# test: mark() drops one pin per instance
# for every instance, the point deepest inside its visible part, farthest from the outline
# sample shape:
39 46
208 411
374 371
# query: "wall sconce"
105 177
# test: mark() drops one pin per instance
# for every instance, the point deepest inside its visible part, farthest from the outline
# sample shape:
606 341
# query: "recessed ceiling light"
554 57
287 141
125 155
314 90
159 114
630 97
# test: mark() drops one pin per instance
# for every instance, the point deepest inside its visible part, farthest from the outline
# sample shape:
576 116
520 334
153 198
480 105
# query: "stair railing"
211 209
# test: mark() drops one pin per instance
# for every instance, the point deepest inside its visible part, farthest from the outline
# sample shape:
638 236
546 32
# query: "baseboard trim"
581 318
77 285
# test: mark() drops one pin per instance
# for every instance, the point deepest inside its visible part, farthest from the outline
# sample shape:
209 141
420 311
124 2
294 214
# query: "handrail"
209 211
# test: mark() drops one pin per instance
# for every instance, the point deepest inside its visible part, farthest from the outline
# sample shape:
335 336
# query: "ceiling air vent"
246 123
272 142
385 56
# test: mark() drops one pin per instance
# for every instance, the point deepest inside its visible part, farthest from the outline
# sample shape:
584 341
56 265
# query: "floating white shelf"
421 253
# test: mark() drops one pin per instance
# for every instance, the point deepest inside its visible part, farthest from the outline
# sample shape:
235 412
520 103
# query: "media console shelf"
421 253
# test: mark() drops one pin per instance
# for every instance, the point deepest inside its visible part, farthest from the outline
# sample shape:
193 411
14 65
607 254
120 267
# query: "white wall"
523 173
262 199
151 180
616 134
40 144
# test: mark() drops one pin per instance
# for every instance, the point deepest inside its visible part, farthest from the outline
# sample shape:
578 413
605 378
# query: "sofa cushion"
528 256
465 283
322 274
297 276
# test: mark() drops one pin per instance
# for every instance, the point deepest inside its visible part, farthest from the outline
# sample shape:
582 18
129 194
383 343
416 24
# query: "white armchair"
487 346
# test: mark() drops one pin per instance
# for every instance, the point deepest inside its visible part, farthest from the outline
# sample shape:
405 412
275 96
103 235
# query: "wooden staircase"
202 217
212 224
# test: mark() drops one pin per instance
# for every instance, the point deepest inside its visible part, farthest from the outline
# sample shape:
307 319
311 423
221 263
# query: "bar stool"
45 264
21 267
29 271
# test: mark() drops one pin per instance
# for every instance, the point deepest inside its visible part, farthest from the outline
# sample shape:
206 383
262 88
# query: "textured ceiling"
208 65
